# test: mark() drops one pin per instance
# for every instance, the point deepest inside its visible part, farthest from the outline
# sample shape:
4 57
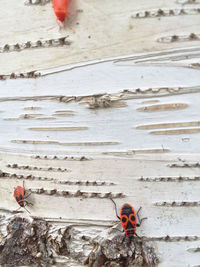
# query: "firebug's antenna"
115 208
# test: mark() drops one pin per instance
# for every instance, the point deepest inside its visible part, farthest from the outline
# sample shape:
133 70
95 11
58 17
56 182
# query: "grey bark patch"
35 242
26 244
120 252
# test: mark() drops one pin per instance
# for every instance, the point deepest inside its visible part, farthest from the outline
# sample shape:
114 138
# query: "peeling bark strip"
195 65
64 113
170 179
86 183
62 41
103 102
37 2
179 38
6 175
168 125
125 94
184 165
83 158
184 2
78 193
34 168
150 101
134 94
159 54
178 204
58 128
165 13
30 74
28 98
163 107
64 144
46 118
171 57
194 250
178 131
30 117
24 117
32 108
172 238
133 152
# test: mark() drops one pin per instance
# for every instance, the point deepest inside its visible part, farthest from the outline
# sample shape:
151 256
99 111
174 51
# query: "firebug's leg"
115 208
60 24
28 203
137 235
140 220
25 191
27 195
27 210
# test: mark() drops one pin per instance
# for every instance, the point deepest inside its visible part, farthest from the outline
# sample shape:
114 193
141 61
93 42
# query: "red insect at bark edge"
19 195
60 8
128 218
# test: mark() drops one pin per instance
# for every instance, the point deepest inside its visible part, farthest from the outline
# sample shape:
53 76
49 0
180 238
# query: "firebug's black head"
127 209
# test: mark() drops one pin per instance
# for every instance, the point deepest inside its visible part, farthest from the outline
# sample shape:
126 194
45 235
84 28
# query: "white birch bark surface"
107 107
